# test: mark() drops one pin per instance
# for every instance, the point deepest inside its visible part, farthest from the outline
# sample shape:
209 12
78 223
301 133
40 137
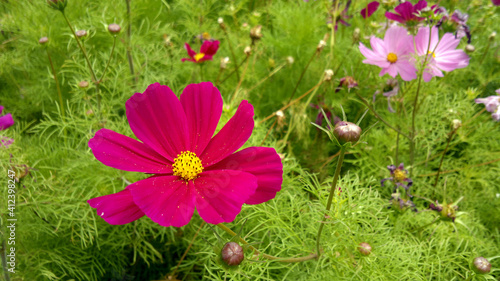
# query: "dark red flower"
207 51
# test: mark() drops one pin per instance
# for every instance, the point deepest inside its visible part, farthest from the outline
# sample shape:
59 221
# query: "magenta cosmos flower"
207 51
6 120
442 53
496 2
190 168
393 54
370 9
406 12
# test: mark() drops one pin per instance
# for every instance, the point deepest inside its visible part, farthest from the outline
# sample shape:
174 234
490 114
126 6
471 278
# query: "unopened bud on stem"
482 265
347 132
232 254
365 248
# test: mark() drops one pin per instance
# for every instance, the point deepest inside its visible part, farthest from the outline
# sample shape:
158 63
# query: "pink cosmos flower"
442 53
370 9
393 54
406 12
5 121
492 104
189 168
207 51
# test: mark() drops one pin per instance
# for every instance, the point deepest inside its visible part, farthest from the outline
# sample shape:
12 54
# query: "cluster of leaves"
60 237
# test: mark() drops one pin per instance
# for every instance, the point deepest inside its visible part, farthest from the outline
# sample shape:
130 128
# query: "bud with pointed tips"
347 132
114 28
232 254
482 265
365 248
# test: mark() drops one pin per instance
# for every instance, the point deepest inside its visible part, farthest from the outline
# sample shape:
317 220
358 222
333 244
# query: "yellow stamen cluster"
399 175
431 53
392 57
187 165
205 35
199 56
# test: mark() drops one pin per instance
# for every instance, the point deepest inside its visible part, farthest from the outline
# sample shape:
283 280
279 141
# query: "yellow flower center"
399 175
187 165
392 57
431 53
199 56
205 35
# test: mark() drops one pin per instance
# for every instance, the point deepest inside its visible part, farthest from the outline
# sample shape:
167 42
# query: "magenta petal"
166 200
262 162
6 121
209 48
231 137
158 119
370 9
202 104
220 194
116 208
190 51
394 17
124 153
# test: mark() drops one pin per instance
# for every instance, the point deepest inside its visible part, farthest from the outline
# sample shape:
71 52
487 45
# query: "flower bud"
224 62
256 32
57 4
83 84
220 20
470 48
247 50
43 40
271 62
456 123
356 35
232 254
492 36
328 75
290 60
347 132
81 33
114 29
482 265
365 248
321 45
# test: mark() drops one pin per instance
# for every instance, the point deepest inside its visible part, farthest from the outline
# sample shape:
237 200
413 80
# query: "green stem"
232 72
61 103
269 257
380 117
201 72
302 76
330 197
109 60
129 33
442 156
236 66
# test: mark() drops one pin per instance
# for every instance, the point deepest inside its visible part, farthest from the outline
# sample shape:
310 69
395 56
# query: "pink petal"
406 70
262 162
184 59
117 208
220 194
190 51
1 109
372 57
158 119
166 200
394 37
231 137
452 59
6 121
448 42
422 40
370 9
209 48
379 47
124 153
202 104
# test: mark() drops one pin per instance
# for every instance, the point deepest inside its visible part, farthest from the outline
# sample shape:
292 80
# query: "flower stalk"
61 103
269 257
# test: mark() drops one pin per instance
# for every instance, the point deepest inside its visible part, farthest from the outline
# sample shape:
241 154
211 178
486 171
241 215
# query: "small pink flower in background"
390 90
189 168
5 121
342 17
207 51
393 54
496 2
5 141
406 12
370 9
442 53
492 104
